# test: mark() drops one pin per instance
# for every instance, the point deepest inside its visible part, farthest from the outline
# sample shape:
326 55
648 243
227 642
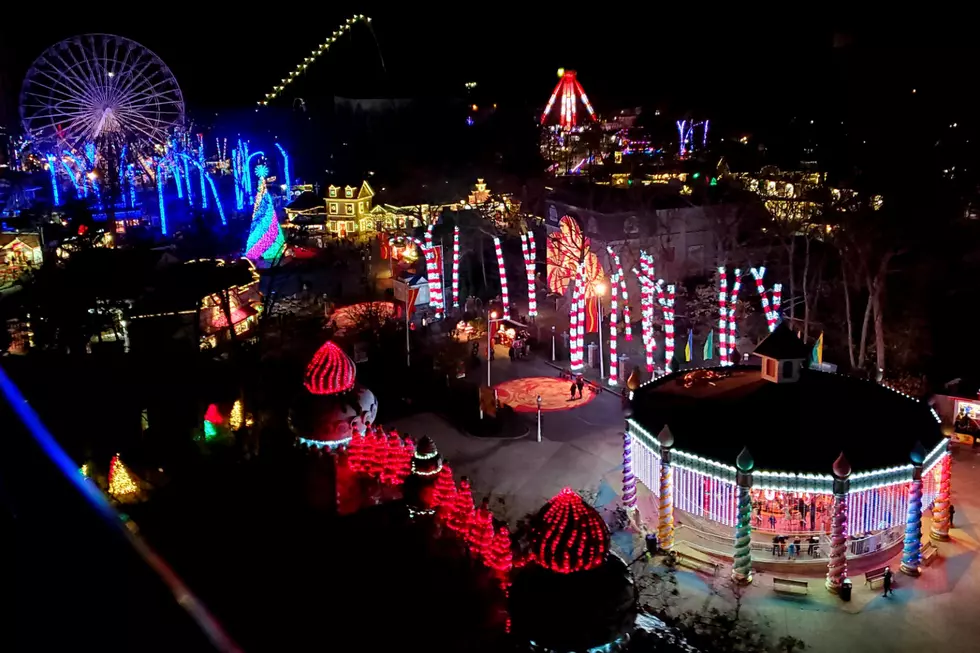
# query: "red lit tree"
444 497
377 452
403 466
500 558
480 536
357 451
462 508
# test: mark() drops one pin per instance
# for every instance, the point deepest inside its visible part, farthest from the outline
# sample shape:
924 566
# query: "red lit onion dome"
567 535
330 371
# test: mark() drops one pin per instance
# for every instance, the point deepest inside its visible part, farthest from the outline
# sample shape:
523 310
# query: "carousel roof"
568 535
795 427
330 371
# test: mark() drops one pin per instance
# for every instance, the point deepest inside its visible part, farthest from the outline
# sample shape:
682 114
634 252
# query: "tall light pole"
491 318
539 418
600 290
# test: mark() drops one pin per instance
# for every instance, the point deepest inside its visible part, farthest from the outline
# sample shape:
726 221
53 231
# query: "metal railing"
80 578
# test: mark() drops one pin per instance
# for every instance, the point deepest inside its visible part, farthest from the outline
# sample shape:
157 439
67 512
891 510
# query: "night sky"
743 71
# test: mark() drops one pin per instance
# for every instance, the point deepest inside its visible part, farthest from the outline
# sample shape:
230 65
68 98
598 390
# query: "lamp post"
600 290
539 418
552 344
491 318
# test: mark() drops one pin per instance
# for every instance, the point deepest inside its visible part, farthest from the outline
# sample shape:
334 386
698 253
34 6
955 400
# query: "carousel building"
787 450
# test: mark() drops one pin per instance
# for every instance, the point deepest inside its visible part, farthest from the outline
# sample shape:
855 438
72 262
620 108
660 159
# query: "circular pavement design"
521 394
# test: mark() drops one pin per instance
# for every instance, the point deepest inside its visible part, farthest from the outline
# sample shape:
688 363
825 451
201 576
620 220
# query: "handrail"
78 564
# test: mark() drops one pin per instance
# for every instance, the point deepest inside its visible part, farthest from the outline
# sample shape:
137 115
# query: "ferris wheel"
95 87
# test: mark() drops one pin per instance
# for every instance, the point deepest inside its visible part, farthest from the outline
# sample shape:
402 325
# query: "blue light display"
201 168
289 181
187 180
90 153
55 196
71 175
131 177
163 211
236 165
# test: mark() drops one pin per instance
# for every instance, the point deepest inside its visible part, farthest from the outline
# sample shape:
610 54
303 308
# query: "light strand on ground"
455 267
323 47
504 295
613 310
722 315
732 317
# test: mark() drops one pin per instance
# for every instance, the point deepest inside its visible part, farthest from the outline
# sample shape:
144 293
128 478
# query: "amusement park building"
784 448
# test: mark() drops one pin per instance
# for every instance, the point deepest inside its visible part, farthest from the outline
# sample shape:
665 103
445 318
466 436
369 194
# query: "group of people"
794 548
577 383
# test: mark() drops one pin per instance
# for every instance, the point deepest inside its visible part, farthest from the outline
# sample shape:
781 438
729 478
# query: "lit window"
334 208
350 208
348 192
333 191
351 226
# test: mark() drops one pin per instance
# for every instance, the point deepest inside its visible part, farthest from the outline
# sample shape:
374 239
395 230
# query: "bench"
697 563
871 577
790 586
929 551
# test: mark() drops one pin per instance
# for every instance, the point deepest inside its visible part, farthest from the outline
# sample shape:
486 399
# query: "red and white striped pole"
532 265
613 309
455 267
627 324
732 317
723 315
759 273
504 295
777 300
433 274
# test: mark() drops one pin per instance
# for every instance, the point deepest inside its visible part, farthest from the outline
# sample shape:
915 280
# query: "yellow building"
347 207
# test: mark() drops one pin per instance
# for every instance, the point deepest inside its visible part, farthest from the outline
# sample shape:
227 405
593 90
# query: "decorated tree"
357 450
122 483
480 536
404 464
462 508
265 239
500 557
377 453
444 496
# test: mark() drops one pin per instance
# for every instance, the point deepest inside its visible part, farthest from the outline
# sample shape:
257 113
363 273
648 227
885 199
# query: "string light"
722 315
621 275
759 273
568 536
613 309
121 483
570 90
434 275
732 317
265 240
315 53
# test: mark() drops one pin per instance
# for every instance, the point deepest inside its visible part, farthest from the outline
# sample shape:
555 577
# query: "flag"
816 356
689 346
709 346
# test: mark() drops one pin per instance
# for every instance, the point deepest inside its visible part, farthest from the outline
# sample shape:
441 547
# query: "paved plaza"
582 448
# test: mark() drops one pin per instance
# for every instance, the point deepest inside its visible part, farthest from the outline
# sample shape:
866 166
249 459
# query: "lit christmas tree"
265 240
376 452
462 508
500 558
404 464
426 461
480 536
357 450
444 497
393 456
121 482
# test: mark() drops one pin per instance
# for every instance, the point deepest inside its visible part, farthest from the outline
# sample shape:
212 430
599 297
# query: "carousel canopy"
793 427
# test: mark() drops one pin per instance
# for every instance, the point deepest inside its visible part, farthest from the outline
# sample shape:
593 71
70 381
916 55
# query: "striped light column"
504 295
627 327
433 274
532 265
732 317
574 355
613 310
777 300
455 267
723 315
759 273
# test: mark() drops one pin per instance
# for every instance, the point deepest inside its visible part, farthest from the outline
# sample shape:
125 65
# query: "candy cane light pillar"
629 480
837 565
912 548
742 563
504 296
665 528
940 508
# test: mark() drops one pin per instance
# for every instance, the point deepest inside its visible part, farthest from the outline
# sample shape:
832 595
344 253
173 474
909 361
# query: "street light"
539 418
492 317
600 290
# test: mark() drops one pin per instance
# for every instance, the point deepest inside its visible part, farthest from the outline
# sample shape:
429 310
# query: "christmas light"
455 267
570 90
265 240
434 274
201 169
121 483
777 300
285 172
444 492
53 172
613 310
732 317
567 535
627 326
500 556
462 508
330 371
480 534
162 208
532 264
532 306
723 315
426 460
759 273
504 296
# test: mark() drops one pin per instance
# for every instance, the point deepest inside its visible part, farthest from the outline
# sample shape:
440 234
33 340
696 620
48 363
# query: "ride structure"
571 93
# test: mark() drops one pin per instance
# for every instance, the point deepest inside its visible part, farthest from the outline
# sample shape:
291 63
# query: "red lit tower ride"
570 91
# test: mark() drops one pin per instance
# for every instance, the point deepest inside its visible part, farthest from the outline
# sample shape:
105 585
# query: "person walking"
887 584
580 382
772 522
572 392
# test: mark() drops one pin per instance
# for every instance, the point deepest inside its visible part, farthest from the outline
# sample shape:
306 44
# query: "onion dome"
634 380
745 462
330 371
666 438
842 468
918 455
567 535
426 461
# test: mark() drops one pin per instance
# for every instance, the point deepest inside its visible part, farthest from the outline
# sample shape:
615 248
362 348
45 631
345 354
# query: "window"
360 207
350 208
348 192
351 226
334 208
333 191
771 367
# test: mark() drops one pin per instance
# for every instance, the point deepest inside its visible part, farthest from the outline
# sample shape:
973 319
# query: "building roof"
794 427
783 344
305 202
31 240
